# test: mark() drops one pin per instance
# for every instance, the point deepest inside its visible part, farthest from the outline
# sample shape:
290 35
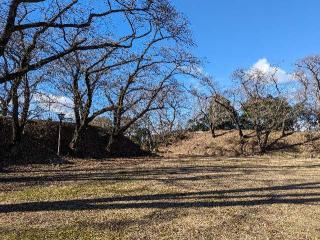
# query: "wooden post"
61 117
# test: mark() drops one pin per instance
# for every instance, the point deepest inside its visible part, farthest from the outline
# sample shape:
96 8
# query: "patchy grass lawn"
185 198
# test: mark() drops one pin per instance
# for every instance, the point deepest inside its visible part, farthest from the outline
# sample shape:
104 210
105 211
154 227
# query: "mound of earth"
227 143
40 139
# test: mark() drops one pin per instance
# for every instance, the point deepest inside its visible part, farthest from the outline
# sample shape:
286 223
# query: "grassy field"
181 198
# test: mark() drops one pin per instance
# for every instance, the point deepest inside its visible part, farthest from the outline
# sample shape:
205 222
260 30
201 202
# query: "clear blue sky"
237 33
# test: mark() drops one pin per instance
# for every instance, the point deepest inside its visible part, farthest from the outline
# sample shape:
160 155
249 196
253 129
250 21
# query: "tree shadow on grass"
188 173
155 218
276 145
184 173
204 199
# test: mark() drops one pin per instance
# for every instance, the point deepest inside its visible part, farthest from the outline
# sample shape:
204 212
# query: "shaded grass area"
181 198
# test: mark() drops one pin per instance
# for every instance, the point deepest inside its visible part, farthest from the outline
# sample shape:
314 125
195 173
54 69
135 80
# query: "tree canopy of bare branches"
113 58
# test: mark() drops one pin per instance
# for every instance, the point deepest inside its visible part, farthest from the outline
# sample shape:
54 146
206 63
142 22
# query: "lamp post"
61 118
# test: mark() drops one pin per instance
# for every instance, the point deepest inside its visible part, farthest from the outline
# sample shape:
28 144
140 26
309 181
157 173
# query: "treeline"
262 100
117 60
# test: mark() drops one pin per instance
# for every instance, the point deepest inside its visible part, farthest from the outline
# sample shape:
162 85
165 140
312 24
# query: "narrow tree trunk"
264 143
18 123
74 143
151 142
17 132
76 139
259 139
283 128
16 128
115 129
238 124
241 135
111 142
213 133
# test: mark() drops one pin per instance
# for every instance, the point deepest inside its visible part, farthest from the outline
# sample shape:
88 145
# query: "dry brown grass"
227 144
177 198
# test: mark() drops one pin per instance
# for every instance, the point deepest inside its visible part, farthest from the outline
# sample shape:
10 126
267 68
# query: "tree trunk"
239 127
111 143
283 128
19 123
259 138
151 142
16 127
241 135
17 132
264 143
115 129
73 145
76 139
213 133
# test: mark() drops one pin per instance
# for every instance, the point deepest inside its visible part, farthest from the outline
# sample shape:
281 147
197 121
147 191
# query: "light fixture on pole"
61 118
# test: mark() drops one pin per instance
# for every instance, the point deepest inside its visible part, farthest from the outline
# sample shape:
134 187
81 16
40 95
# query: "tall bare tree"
308 74
81 77
216 105
263 102
221 112
146 85
148 89
16 95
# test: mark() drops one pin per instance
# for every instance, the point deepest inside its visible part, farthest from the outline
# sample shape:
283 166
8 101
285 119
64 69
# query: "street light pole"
61 117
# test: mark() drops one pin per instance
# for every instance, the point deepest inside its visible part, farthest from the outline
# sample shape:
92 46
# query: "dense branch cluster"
116 59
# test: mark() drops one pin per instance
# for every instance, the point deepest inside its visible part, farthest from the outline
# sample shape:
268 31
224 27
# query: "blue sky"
238 33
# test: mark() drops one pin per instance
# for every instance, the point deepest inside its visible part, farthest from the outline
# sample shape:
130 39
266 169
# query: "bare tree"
143 96
216 105
263 102
220 112
81 77
19 109
16 95
308 74
147 87
162 125
145 84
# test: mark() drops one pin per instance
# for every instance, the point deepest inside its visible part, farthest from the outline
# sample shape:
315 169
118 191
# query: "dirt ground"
172 198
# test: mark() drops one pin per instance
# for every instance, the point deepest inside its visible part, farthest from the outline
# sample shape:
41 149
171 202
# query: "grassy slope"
187 198
227 144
